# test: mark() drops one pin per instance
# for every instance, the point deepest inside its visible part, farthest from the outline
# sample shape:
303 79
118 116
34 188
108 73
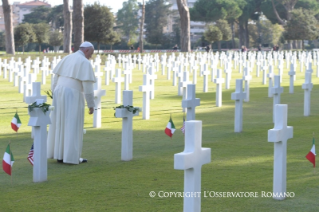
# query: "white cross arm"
307 86
238 96
124 113
145 88
247 77
270 75
184 83
187 160
99 93
219 80
118 79
276 135
280 132
277 90
190 103
291 73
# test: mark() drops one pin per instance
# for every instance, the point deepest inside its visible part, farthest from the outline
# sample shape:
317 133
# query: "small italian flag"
311 156
170 128
15 123
7 161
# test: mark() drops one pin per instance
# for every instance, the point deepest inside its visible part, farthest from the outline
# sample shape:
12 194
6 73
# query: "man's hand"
91 110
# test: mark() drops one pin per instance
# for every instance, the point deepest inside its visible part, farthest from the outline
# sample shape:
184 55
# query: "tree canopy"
213 10
302 26
98 23
127 18
213 34
156 15
23 34
41 31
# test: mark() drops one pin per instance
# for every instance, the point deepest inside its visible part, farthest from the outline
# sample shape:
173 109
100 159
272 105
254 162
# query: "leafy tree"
127 19
41 32
264 32
98 23
223 26
213 34
156 13
112 38
302 26
38 15
213 10
23 34
283 8
56 40
55 17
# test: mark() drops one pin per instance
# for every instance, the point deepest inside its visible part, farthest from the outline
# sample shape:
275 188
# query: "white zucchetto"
86 44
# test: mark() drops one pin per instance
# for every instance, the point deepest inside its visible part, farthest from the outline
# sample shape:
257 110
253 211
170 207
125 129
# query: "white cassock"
73 82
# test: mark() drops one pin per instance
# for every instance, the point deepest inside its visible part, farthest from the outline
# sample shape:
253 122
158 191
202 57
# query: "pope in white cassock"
73 81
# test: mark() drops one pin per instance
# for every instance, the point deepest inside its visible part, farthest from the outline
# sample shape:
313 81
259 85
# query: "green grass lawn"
241 162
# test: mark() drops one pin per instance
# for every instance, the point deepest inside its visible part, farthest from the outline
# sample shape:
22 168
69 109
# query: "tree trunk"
219 45
289 44
185 25
39 48
247 34
276 14
141 44
22 49
67 32
232 35
294 46
7 12
78 23
98 47
302 44
241 33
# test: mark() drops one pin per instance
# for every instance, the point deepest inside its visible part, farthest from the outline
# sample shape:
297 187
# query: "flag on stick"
311 156
170 128
30 156
15 123
8 160
183 127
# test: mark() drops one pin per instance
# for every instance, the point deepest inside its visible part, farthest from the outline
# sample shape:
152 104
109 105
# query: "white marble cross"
184 84
98 93
126 73
36 94
190 102
270 76
205 73
279 135
218 81
146 89
39 121
307 86
179 76
228 72
152 78
238 96
118 79
247 78
127 126
292 74
191 161
107 69
276 92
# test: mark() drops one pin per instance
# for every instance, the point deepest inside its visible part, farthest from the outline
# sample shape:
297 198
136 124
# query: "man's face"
88 53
